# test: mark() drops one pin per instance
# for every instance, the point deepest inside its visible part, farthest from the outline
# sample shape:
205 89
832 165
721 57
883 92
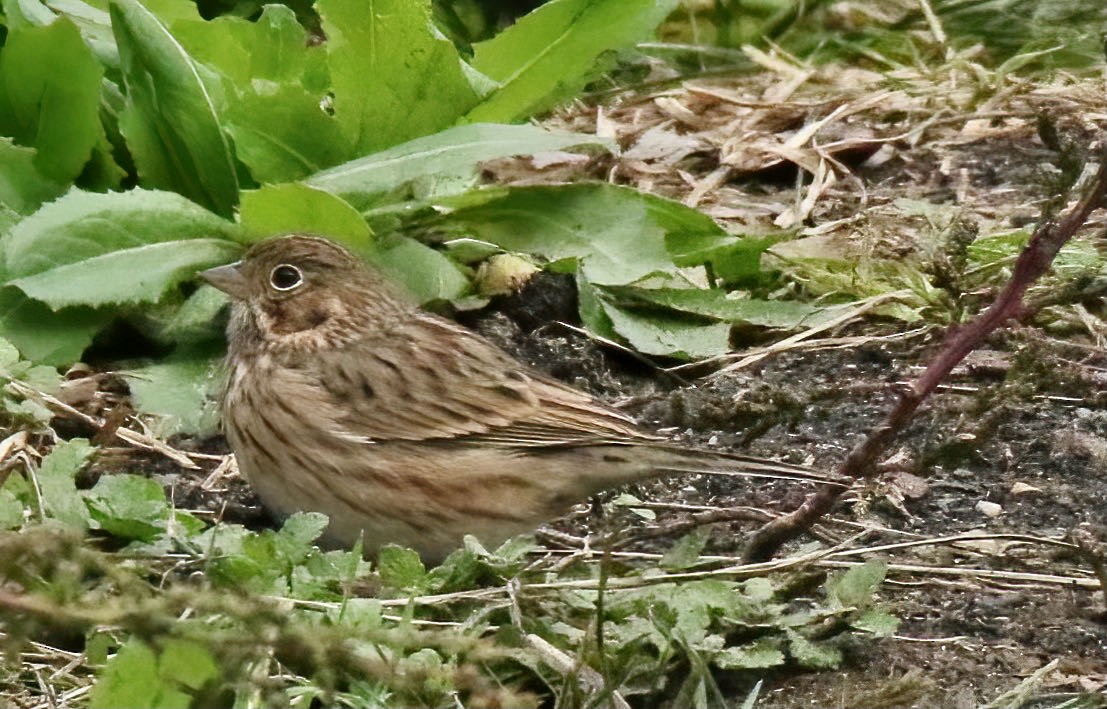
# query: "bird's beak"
227 279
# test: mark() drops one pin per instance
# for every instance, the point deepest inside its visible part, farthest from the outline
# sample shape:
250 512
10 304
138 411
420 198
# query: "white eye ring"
285 277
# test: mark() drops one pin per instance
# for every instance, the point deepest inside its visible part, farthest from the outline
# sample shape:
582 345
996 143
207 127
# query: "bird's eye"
285 277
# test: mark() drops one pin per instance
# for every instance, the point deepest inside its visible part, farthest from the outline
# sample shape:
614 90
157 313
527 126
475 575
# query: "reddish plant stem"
1034 261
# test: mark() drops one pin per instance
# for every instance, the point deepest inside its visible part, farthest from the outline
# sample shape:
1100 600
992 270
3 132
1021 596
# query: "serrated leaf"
50 96
128 506
92 249
188 663
182 390
758 655
56 482
813 655
299 532
879 623
22 187
550 54
854 587
130 679
439 164
400 568
685 552
387 61
297 208
171 120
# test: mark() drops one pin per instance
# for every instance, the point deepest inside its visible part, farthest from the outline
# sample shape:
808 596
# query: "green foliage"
191 638
234 130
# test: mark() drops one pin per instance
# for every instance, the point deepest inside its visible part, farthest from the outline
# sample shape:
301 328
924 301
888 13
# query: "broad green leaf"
50 96
275 48
277 85
720 305
196 320
135 275
550 54
171 120
19 14
95 249
22 186
43 335
394 76
444 163
426 273
854 588
283 209
130 679
732 260
56 483
95 26
609 230
284 134
669 335
758 655
180 389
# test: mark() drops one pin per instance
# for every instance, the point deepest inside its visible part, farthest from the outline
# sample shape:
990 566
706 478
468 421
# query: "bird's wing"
433 379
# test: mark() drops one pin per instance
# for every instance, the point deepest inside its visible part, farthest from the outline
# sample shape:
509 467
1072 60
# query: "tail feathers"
685 461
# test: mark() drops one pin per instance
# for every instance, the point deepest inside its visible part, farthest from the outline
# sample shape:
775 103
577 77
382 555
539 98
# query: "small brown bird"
404 427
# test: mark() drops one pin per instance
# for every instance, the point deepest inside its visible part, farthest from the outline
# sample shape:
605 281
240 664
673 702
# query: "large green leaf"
550 54
717 304
283 134
171 119
42 335
669 335
443 163
611 231
96 249
95 26
427 274
275 48
50 96
281 209
277 82
135 275
394 76
22 186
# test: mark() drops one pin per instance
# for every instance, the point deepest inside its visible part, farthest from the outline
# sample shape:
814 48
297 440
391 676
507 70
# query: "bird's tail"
672 460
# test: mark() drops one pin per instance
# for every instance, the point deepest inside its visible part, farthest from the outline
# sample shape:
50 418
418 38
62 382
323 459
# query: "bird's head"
301 292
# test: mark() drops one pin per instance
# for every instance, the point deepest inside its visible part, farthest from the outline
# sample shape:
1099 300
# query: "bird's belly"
418 495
